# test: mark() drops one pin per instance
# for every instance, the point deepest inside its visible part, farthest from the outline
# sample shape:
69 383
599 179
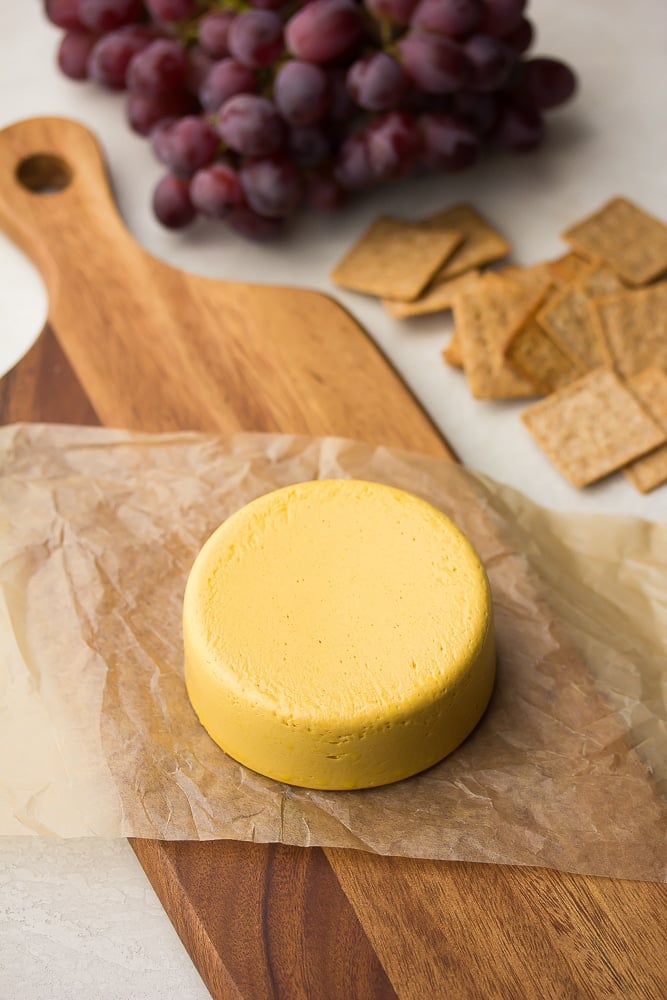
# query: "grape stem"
386 32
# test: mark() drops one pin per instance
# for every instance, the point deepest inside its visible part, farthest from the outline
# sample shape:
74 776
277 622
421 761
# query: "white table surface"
78 919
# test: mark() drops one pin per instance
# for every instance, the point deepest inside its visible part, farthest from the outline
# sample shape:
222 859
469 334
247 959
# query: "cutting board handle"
156 348
55 197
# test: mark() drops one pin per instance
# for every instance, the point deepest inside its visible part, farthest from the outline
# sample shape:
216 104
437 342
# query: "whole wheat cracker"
650 388
395 259
536 277
482 243
592 427
451 352
623 235
632 328
566 317
437 297
567 268
533 353
486 318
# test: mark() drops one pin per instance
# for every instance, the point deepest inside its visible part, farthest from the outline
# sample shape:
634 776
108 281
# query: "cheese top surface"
324 613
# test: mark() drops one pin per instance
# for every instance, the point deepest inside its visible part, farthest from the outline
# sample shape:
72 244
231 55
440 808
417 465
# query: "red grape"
144 112
159 69
341 106
449 142
377 82
522 37
393 142
479 110
257 106
253 226
492 61
185 145
251 125
546 83
396 11
324 30
101 16
322 191
172 10
112 54
519 128
63 13
73 53
271 186
309 145
502 16
453 18
301 92
352 168
215 190
255 38
171 202
434 63
225 79
199 66
212 31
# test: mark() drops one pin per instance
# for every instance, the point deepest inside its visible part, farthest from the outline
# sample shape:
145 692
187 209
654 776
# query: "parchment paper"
98 530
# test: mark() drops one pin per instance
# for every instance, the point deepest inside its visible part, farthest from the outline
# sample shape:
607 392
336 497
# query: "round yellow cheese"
338 634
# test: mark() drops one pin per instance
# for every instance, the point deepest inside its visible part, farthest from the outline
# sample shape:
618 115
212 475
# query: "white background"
78 919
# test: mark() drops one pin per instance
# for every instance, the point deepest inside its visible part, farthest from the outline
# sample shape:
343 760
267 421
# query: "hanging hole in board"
43 173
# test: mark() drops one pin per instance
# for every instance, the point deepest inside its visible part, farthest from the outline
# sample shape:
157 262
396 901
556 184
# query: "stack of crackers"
587 331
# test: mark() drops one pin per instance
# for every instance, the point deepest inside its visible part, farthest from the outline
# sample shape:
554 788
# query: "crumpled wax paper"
98 530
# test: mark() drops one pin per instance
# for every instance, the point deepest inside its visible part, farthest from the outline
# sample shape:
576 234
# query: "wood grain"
500 931
288 928
269 920
43 387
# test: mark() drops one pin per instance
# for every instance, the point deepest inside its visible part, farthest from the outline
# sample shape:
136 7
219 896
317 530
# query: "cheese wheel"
338 634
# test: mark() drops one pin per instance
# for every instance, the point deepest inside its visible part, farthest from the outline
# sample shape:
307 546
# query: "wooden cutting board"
131 342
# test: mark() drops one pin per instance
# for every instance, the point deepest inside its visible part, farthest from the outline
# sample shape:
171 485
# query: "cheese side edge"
316 747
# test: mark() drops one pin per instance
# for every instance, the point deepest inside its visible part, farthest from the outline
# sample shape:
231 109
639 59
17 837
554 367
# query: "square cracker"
566 316
536 277
537 357
395 259
567 268
650 388
592 427
486 318
452 352
624 236
481 244
438 296
598 279
632 327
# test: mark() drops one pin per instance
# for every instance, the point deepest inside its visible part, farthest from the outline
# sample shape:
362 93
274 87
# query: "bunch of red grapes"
256 107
